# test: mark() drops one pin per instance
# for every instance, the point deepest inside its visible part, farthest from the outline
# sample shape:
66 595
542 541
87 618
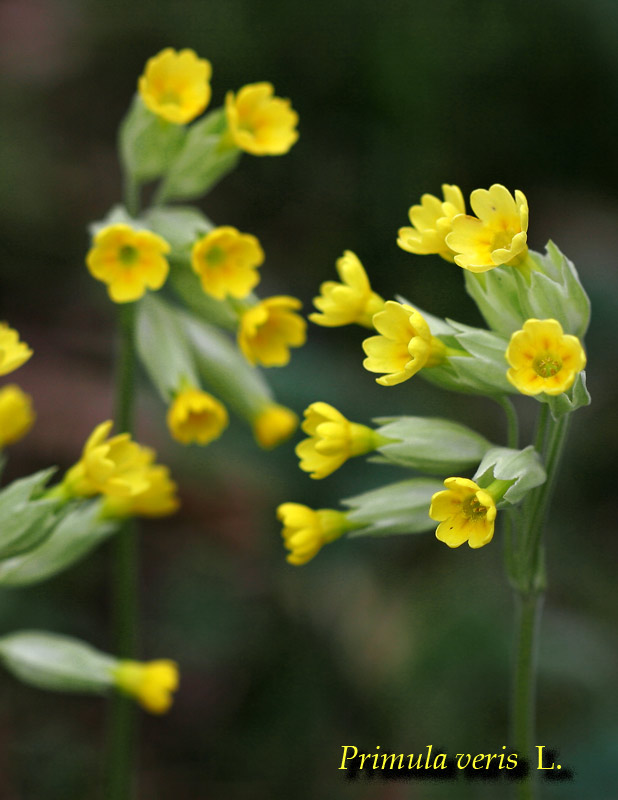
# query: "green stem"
512 421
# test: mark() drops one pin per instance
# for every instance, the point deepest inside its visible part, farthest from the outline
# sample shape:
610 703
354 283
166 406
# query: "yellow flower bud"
268 330
273 425
259 123
227 261
16 414
306 531
13 353
196 416
176 85
151 683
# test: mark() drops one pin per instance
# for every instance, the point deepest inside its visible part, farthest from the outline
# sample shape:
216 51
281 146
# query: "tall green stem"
512 421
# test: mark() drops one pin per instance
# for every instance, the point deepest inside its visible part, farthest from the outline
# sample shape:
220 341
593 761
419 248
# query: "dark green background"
397 642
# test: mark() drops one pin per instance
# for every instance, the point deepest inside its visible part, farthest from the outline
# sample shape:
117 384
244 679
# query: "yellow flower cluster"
151 683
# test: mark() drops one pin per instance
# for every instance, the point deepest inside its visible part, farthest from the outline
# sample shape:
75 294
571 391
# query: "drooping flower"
498 233
332 440
466 513
158 500
260 123
176 85
273 425
13 353
269 329
227 261
196 416
348 302
306 531
16 414
543 358
151 683
432 221
129 261
405 344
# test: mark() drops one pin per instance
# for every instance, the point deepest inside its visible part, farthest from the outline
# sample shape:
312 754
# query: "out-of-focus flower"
158 500
16 414
466 513
13 353
432 222
273 425
543 358
269 329
348 302
196 416
151 683
306 531
129 261
260 123
227 261
176 85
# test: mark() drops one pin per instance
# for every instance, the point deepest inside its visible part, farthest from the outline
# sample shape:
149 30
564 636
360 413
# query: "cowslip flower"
332 440
176 85
466 513
273 425
268 330
196 416
16 414
226 262
128 261
158 500
306 531
405 344
432 221
498 233
13 353
543 358
351 301
260 123
151 683
117 466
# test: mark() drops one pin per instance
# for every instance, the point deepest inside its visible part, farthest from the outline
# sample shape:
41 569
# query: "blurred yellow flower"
128 261
405 344
543 358
176 85
273 425
332 440
431 223
13 353
227 261
260 123
306 531
158 500
196 416
348 302
498 233
16 414
268 329
466 513
151 683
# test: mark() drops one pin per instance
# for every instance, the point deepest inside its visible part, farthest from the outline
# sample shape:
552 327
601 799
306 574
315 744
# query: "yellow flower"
543 358
16 414
118 466
152 682
306 531
466 513
176 85
268 330
350 301
332 440
498 236
404 347
432 222
196 416
128 261
260 123
13 353
273 425
227 261
158 500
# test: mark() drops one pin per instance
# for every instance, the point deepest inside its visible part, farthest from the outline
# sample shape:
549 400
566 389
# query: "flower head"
260 123
466 513
405 344
151 683
543 358
306 531
176 85
13 353
158 500
498 233
268 330
196 416
128 261
348 302
332 440
273 425
431 223
227 261
16 414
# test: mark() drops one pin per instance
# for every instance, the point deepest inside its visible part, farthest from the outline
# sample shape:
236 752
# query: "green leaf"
24 522
523 467
496 293
576 397
180 226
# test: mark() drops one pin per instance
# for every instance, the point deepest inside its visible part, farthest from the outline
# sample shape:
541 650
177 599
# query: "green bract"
523 467
148 143
26 522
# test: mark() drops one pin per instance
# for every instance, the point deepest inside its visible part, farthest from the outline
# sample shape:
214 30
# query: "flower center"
170 97
547 365
472 508
502 240
215 256
128 254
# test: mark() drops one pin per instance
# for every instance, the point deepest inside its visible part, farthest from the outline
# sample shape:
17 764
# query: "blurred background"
398 642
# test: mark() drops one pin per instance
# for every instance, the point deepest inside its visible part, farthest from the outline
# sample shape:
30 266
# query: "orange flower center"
547 365
472 508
